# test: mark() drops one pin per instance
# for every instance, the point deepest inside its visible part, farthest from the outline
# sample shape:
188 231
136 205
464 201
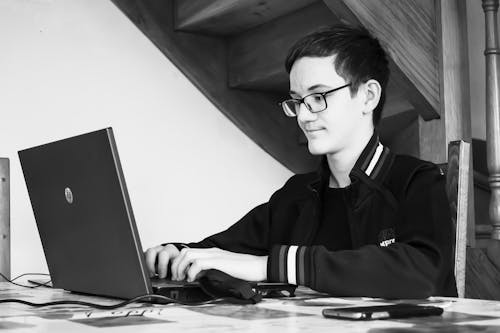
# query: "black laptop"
86 224
85 220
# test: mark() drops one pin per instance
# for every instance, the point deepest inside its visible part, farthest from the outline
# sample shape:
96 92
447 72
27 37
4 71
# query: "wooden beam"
4 217
454 86
229 17
407 30
432 140
453 69
455 122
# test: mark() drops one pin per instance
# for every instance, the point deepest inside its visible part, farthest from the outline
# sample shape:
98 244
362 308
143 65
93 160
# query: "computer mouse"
221 285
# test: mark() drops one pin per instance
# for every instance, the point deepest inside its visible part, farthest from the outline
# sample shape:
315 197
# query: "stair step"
408 30
255 113
256 57
228 17
262 67
254 62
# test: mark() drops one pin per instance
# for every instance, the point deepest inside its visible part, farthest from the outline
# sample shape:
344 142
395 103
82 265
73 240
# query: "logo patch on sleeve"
386 237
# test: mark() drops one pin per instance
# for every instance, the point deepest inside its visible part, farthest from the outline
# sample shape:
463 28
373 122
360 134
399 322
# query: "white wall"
72 66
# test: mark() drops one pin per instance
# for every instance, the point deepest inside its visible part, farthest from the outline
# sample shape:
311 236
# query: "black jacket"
400 226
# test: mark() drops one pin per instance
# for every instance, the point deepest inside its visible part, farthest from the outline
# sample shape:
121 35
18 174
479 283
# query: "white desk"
299 314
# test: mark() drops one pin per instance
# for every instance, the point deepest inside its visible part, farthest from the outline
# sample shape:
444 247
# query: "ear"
372 90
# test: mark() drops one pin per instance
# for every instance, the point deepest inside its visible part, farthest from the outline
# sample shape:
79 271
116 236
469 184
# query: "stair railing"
492 54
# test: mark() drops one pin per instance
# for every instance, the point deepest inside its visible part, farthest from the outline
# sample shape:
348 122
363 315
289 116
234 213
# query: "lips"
312 130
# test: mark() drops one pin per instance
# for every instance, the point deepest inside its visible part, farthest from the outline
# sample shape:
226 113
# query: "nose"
304 115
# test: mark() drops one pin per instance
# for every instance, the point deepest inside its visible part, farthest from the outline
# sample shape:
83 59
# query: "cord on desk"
45 284
110 307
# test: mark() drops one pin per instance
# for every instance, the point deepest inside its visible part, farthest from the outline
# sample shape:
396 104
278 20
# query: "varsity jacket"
400 228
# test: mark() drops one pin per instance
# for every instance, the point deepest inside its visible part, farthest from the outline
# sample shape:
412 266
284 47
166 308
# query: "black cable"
94 305
45 284
110 307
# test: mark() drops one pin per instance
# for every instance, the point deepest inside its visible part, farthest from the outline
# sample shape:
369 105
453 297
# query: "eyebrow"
311 88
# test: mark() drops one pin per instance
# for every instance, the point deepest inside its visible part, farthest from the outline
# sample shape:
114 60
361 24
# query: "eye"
315 98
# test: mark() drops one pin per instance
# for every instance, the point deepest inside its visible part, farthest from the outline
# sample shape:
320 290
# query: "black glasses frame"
301 100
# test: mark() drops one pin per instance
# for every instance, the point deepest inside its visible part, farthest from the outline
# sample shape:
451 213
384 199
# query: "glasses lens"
315 102
290 107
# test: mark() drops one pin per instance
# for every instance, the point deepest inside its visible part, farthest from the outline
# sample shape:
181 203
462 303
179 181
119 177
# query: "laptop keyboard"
161 283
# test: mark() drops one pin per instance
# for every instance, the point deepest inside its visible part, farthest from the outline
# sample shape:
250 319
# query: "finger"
150 257
196 267
175 264
185 262
163 260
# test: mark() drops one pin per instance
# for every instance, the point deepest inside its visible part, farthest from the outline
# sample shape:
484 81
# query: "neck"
342 162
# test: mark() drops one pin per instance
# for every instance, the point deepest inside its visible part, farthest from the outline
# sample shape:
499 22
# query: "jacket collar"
372 165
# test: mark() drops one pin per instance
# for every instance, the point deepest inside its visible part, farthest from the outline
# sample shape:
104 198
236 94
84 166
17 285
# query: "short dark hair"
359 56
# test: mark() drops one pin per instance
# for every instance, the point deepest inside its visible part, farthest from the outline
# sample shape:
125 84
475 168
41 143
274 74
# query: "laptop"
86 224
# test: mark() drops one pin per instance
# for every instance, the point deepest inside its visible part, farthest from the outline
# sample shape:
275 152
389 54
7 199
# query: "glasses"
314 102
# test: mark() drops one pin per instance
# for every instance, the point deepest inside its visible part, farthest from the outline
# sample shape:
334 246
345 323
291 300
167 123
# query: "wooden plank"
5 217
453 68
482 277
432 140
255 113
454 85
457 189
229 17
455 120
407 30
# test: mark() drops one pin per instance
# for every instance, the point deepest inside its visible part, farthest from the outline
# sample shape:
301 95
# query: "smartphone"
400 310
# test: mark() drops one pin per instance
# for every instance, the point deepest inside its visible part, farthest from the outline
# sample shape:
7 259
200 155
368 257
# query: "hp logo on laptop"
69 195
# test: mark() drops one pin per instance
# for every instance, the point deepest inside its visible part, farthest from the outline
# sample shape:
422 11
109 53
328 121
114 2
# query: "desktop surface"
296 314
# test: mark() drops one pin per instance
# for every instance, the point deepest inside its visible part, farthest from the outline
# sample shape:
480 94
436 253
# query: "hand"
158 258
190 262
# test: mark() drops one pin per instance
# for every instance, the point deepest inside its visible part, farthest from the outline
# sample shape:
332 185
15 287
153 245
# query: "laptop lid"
84 216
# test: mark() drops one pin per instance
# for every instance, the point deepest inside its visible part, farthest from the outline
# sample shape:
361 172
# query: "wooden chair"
458 177
4 218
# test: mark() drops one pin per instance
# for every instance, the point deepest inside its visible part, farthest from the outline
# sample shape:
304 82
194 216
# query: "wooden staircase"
234 52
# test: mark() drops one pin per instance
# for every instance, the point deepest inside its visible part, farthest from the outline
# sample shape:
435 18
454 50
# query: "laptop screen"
84 216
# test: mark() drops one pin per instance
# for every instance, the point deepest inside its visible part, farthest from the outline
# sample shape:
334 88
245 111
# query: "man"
367 223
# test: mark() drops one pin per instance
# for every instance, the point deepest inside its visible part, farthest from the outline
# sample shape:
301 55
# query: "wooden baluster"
492 53
4 218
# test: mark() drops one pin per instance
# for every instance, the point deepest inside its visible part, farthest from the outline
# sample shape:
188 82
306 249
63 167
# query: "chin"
316 149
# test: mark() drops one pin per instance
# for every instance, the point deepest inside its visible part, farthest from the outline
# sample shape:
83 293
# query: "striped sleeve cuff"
288 264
